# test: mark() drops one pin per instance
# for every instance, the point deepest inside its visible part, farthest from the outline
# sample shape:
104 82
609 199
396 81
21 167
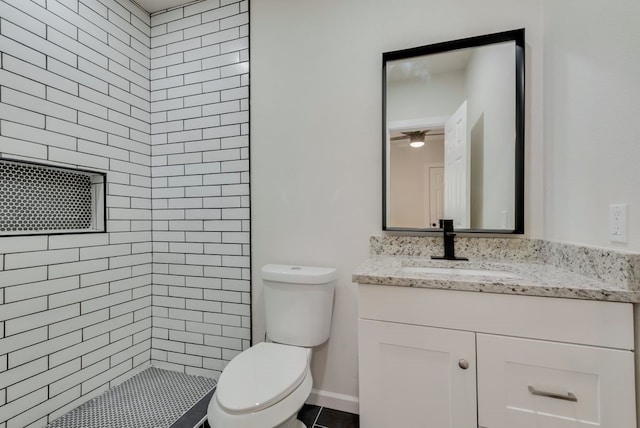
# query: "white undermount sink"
458 271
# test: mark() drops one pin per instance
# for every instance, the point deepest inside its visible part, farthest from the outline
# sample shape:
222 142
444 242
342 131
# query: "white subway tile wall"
160 103
200 170
68 328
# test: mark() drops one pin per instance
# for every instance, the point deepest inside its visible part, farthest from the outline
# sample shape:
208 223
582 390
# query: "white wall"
490 88
591 106
416 98
316 135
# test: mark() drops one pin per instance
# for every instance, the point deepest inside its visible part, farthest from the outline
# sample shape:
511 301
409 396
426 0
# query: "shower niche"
38 199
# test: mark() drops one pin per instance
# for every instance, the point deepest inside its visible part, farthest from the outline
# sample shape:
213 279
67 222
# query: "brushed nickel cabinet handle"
569 397
463 364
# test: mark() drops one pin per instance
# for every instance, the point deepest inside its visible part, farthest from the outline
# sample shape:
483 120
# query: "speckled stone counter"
521 266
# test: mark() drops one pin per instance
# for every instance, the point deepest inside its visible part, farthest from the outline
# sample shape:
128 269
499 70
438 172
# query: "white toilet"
266 385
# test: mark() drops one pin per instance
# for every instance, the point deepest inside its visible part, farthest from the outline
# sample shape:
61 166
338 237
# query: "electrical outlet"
618 222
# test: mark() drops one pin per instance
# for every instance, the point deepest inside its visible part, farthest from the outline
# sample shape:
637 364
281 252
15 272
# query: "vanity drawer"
533 383
584 322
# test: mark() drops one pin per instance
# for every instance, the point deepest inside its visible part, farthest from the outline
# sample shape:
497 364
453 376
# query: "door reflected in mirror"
453 140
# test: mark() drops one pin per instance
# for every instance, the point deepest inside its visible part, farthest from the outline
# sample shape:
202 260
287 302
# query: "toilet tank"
298 303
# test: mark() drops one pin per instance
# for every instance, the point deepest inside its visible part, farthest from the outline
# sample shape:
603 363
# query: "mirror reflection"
453 136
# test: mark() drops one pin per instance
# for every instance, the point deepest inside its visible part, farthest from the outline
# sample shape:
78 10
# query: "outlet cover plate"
618 222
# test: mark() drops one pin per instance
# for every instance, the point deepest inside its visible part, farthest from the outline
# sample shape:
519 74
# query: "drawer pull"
569 397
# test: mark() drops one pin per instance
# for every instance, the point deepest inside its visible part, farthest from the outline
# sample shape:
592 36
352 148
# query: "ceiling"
156 5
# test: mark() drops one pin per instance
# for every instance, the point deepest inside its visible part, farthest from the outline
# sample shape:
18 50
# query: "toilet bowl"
266 385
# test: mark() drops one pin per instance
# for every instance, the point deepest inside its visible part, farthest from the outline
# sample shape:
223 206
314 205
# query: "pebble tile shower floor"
154 398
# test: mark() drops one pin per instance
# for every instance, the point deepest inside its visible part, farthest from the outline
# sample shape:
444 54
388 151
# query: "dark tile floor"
195 415
322 417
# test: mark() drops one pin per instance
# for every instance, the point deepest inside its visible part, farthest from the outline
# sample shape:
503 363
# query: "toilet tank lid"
298 274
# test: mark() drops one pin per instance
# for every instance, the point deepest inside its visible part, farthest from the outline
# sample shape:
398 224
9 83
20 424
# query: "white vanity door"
411 376
532 383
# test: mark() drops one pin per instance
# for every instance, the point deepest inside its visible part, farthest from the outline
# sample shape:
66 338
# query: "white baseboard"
332 400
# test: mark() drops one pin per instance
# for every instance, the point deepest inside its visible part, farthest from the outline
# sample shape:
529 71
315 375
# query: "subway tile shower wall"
160 104
75 310
200 170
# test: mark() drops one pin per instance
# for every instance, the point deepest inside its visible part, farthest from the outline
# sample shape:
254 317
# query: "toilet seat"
273 416
261 376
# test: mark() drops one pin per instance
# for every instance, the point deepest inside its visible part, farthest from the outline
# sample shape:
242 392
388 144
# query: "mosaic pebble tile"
154 398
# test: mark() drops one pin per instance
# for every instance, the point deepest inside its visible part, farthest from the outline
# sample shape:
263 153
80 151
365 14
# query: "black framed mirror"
453 135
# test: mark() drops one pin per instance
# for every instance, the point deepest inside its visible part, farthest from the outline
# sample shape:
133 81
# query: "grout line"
317 417
201 422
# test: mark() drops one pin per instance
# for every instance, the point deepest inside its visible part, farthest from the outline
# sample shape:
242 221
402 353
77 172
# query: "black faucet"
449 246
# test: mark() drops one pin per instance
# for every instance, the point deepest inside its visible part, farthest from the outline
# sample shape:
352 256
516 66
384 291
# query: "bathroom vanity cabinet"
443 358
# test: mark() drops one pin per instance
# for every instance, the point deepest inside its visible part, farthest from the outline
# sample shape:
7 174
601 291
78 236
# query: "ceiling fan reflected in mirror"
416 138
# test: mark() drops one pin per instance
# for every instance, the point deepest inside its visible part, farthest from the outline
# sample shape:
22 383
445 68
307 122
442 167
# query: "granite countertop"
512 277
